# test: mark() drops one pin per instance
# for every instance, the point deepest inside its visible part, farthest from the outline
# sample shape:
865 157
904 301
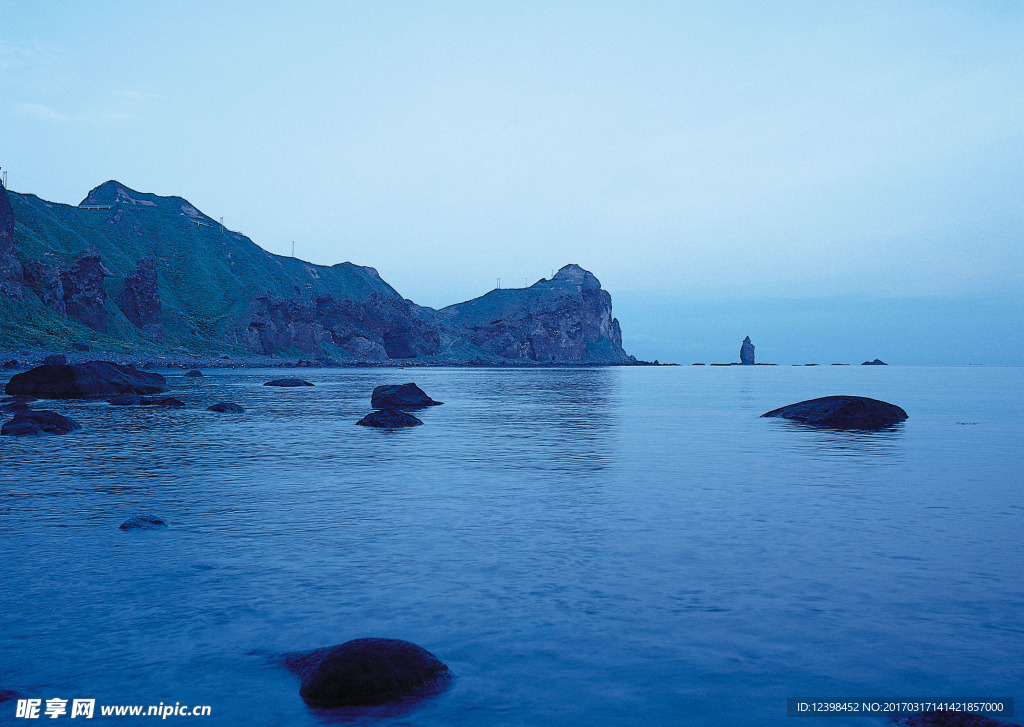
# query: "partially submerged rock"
228 407
288 382
89 379
143 522
389 419
15 406
876 362
56 359
125 400
366 671
168 401
842 412
34 423
195 373
400 396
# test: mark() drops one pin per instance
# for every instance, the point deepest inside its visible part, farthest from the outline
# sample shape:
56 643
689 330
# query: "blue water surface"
591 546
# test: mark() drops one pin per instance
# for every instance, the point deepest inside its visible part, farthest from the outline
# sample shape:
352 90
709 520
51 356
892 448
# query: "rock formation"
567 318
140 299
747 352
366 671
84 297
288 382
226 407
842 412
191 284
876 362
12 276
389 419
143 522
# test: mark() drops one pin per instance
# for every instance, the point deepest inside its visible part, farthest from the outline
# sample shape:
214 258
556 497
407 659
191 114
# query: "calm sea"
609 546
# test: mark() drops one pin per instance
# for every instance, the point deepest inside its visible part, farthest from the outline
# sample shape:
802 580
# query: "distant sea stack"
128 270
747 352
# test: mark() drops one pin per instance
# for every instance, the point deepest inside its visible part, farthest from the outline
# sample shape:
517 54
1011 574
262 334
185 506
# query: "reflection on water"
604 546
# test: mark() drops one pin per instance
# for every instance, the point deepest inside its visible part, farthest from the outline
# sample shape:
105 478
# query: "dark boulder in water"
57 359
125 400
12 364
89 379
401 396
228 407
34 423
842 412
15 406
389 419
288 382
195 373
876 362
143 522
367 671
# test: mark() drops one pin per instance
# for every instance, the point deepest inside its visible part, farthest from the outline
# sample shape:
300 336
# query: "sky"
839 181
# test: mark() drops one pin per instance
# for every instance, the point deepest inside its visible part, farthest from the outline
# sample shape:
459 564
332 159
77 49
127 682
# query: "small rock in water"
195 373
400 396
389 419
125 400
366 671
229 407
842 412
143 522
57 359
15 406
12 364
288 382
34 423
876 362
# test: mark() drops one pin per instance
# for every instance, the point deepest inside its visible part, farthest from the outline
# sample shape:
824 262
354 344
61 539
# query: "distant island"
131 272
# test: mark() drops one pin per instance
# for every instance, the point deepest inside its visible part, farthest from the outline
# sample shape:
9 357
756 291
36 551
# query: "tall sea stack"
747 352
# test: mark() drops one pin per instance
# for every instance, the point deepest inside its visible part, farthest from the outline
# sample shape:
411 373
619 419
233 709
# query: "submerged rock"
12 364
401 396
389 419
747 352
89 379
143 522
876 362
842 412
125 400
168 401
195 373
34 423
366 671
56 359
229 407
15 406
288 382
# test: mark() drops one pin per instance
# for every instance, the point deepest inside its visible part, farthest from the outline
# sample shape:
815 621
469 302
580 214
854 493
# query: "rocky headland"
135 275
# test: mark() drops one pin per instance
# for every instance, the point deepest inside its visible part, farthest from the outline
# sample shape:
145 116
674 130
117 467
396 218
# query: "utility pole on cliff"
499 284
293 248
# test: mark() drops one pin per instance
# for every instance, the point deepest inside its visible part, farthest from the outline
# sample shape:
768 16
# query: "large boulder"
842 412
389 419
366 671
400 396
34 423
89 379
288 382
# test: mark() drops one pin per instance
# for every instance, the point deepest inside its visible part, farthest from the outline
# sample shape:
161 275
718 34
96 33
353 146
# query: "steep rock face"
43 278
567 318
747 352
84 297
140 300
373 329
12 278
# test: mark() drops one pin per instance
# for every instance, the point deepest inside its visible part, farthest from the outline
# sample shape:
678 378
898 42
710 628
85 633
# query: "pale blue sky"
689 154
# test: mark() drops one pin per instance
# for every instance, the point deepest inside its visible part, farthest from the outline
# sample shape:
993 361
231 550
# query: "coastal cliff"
127 270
